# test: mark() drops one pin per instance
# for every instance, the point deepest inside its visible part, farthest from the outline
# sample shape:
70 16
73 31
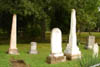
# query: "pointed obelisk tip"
14 14
73 10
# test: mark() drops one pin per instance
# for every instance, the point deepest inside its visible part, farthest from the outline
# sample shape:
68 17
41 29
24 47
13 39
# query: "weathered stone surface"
95 50
91 42
33 48
13 51
56 47
72 51
56 42
54 60
13 46
72 57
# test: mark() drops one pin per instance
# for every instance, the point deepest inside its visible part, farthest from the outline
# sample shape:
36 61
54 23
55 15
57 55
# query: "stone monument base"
89 47
72 57
13 51
53 60
33 52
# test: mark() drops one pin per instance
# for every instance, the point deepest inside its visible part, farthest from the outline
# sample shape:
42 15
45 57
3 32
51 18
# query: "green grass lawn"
38 60
44 49
4 39
83 36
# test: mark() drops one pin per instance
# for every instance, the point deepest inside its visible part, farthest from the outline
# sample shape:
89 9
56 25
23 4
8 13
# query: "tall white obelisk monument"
13 40
72 50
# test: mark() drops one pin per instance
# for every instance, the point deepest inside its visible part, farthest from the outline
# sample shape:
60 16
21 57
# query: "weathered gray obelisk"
13 46
72 50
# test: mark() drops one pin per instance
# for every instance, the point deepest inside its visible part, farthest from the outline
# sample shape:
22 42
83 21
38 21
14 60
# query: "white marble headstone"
56 42
95 50
91 42
33 48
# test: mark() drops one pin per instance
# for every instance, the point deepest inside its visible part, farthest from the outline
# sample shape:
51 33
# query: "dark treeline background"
35 17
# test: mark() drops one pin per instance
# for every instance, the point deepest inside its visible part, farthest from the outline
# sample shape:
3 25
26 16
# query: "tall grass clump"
88 61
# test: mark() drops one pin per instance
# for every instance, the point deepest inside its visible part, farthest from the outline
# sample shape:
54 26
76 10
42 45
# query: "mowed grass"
38 60
44 49
83 38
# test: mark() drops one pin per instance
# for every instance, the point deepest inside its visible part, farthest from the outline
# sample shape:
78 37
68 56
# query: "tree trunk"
79 36
43 28
98 30
90 33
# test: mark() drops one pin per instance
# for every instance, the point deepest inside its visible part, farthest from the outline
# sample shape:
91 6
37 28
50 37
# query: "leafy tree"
30 8
59 16
54 13
98 21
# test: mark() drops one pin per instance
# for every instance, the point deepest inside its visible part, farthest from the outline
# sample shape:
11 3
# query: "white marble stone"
33 48
95 50
56 54
72 48
13 40
91 42
56 43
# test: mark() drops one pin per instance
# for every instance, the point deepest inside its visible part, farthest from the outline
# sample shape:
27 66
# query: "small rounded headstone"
33 49
33 45
91 42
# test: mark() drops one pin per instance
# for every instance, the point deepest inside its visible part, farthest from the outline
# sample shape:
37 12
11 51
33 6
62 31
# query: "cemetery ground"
39 60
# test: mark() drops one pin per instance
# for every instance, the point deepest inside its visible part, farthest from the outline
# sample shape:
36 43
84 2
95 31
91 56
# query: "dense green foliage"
98 21
47 14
